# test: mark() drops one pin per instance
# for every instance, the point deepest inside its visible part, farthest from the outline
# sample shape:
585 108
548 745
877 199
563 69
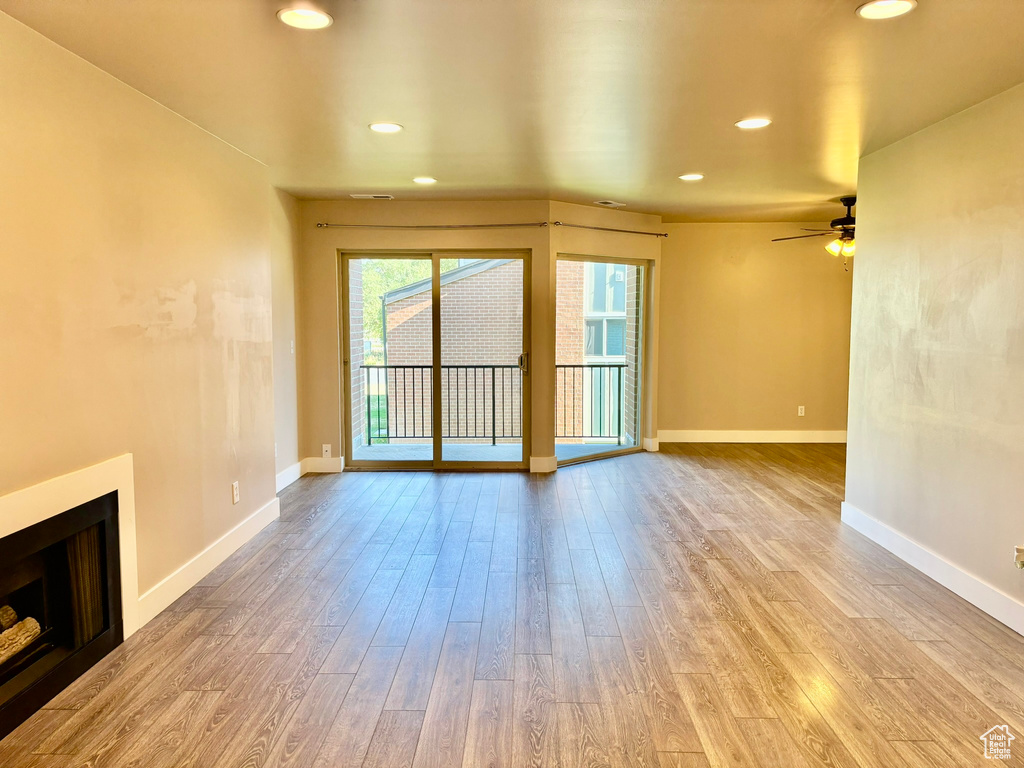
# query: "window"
615 337
595 338
605 310
606 289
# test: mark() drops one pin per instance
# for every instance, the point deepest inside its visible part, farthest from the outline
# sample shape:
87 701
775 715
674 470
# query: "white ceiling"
578 100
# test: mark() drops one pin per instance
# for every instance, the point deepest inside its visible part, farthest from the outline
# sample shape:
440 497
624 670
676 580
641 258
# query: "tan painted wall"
751 329
284 251
135 303
936 436
320 379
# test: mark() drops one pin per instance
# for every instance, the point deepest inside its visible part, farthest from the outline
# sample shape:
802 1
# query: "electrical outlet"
799 410
326 447
234 492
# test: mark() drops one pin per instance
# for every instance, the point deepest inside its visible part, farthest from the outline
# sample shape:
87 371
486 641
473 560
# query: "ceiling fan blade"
799 237
805 229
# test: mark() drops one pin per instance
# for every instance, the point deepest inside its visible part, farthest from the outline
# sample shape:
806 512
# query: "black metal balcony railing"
479 402
484 402
590 401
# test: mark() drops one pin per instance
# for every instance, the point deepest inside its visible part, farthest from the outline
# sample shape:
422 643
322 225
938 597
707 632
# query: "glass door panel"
598 358
389 333
481 352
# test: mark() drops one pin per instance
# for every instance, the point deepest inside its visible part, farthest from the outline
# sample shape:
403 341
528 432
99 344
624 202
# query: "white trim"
32 505
543 463
750 436
189 574
971 588
316 464
288 475
651 444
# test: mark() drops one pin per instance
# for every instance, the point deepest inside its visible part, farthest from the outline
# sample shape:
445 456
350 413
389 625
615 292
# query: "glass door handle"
524 363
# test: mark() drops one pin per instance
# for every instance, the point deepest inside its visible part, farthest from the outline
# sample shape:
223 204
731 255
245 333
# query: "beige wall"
284 251
752 329
936 436
135 303
320 365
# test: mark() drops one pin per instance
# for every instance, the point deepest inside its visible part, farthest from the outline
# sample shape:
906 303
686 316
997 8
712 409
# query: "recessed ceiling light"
425 180
305 18
385 127
886 9
692 176
751 123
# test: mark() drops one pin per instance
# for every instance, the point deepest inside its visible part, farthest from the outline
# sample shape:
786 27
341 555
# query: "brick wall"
632 374
355 281
569 348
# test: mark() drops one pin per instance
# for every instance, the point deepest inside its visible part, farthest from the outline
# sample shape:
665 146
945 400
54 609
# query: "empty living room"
525 384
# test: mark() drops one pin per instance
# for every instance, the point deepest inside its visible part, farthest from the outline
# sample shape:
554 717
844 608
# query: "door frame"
434 257
644 397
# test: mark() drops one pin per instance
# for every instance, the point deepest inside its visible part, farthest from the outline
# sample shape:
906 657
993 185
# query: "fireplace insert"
60 605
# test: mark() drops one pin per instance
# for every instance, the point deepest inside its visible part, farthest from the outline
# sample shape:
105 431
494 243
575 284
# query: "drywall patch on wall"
241 318
164 312
239 322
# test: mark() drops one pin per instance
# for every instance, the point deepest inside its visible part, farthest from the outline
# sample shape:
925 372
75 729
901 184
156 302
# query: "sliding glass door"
390 386
435 360
482 361
599 357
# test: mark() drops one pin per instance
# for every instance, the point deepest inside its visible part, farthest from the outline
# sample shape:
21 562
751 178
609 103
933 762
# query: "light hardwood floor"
698 607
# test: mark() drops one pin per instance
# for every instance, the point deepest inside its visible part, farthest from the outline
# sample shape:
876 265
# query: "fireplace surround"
60 596
68 581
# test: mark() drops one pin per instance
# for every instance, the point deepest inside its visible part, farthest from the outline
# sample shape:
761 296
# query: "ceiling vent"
609 204
372 197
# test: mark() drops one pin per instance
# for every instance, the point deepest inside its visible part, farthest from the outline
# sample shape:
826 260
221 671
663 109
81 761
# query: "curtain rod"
326 225
610 229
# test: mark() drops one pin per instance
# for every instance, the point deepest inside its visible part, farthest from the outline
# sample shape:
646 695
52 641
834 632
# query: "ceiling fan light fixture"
835 247
305 17
849 248
885 9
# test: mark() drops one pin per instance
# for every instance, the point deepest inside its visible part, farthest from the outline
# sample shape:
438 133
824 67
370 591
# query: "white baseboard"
188 575
288 475
651 444
988 598
317 464
543 463
750 436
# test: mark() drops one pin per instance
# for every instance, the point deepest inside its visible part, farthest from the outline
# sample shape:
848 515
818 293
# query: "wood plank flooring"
698 607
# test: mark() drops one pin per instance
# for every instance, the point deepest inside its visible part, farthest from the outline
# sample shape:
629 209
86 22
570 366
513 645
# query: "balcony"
481 412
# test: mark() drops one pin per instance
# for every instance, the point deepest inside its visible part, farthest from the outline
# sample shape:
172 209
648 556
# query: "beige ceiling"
578 100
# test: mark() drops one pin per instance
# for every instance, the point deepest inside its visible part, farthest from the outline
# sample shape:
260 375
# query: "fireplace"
60 604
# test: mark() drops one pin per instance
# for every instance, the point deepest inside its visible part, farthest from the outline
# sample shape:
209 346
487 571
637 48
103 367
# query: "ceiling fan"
842 229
